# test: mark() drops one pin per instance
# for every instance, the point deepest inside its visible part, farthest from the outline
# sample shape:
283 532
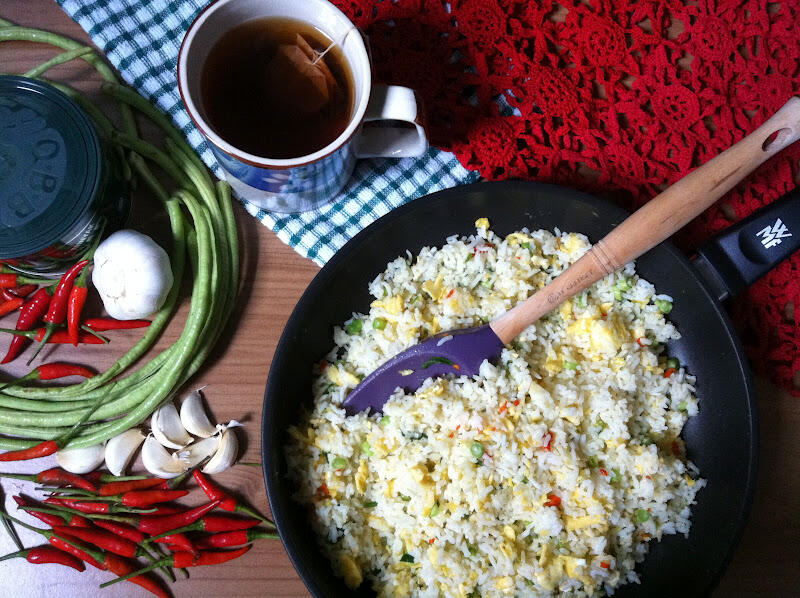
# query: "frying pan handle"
745 252
659 219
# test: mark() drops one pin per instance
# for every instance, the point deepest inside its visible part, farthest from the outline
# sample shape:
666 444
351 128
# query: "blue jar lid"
50 165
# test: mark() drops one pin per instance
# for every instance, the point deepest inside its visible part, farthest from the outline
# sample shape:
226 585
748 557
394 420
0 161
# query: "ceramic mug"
306 182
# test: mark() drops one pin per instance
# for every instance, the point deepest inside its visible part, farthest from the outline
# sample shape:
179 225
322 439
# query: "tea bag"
303 82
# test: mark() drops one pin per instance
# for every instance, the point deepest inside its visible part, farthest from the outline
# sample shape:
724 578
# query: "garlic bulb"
193 454
120 450
167 427
226 452
81 460
159 462
194 417
132 274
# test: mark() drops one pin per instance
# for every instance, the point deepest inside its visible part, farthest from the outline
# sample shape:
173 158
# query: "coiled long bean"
116 399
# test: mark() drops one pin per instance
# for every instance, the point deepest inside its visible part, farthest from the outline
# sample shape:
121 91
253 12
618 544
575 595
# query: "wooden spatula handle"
659 219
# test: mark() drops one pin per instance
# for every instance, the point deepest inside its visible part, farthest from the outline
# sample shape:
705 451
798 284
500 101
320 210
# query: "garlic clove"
159 462
193 454
226 453
81 460
194 417
120 450
167 427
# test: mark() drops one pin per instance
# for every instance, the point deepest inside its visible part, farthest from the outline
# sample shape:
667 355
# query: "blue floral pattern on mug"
301 187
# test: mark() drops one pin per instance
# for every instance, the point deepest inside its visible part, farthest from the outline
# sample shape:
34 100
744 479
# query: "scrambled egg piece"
573 523
482 223
553 569
518 239
573 243
341 377
605 336
435 288
393 304
350 572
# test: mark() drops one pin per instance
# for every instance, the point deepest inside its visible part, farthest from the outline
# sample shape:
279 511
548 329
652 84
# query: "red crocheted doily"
620 98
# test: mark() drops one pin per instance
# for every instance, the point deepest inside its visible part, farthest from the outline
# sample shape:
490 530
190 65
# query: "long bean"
60 59
110 403
53 39
191 332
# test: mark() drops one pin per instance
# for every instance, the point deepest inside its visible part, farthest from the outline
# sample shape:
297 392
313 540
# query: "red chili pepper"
100 538
223 523
43 449
121 487
77 299
121 529
209 523
53 476
549 446
42 555
639 341
107 561
450 294
158 524
74 548
553 500
7 295
135 498
87 506
6 307
503 408
24 290
47 554
57 312
123 568
8 281
604 472
231 539
53 517
605 565
178 543
60 337
31 312
182 560
214 492
103 324
145 498
669 372
56 475
53 371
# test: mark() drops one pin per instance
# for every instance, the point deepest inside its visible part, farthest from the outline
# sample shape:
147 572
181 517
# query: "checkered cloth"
141 38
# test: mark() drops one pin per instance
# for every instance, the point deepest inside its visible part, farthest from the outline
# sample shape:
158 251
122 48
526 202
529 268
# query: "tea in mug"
266 90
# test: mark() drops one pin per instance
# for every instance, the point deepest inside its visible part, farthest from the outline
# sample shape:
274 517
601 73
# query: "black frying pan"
721 439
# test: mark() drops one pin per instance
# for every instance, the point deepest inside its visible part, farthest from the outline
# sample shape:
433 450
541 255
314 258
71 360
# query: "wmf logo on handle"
773 235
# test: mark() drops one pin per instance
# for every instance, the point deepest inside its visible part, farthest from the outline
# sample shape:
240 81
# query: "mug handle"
395 131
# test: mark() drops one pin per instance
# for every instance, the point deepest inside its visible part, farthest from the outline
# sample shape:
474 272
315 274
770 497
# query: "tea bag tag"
304 86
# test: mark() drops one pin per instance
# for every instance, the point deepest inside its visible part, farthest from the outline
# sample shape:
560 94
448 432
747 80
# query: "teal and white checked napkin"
141 39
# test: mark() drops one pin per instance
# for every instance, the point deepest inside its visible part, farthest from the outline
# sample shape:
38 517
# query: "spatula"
461 352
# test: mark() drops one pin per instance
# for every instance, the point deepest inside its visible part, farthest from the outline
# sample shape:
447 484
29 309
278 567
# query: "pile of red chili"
111 522
59 306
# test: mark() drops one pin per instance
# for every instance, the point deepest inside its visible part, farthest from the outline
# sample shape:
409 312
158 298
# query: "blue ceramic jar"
60 185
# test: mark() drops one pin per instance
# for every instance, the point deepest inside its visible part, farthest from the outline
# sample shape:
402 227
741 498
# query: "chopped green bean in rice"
548 474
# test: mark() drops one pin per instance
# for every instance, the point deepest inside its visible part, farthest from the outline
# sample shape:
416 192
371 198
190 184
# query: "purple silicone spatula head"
458 352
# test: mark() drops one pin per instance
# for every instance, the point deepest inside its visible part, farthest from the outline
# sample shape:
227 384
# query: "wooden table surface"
766 563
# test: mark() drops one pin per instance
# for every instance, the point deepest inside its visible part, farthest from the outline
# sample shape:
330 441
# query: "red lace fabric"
620 98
